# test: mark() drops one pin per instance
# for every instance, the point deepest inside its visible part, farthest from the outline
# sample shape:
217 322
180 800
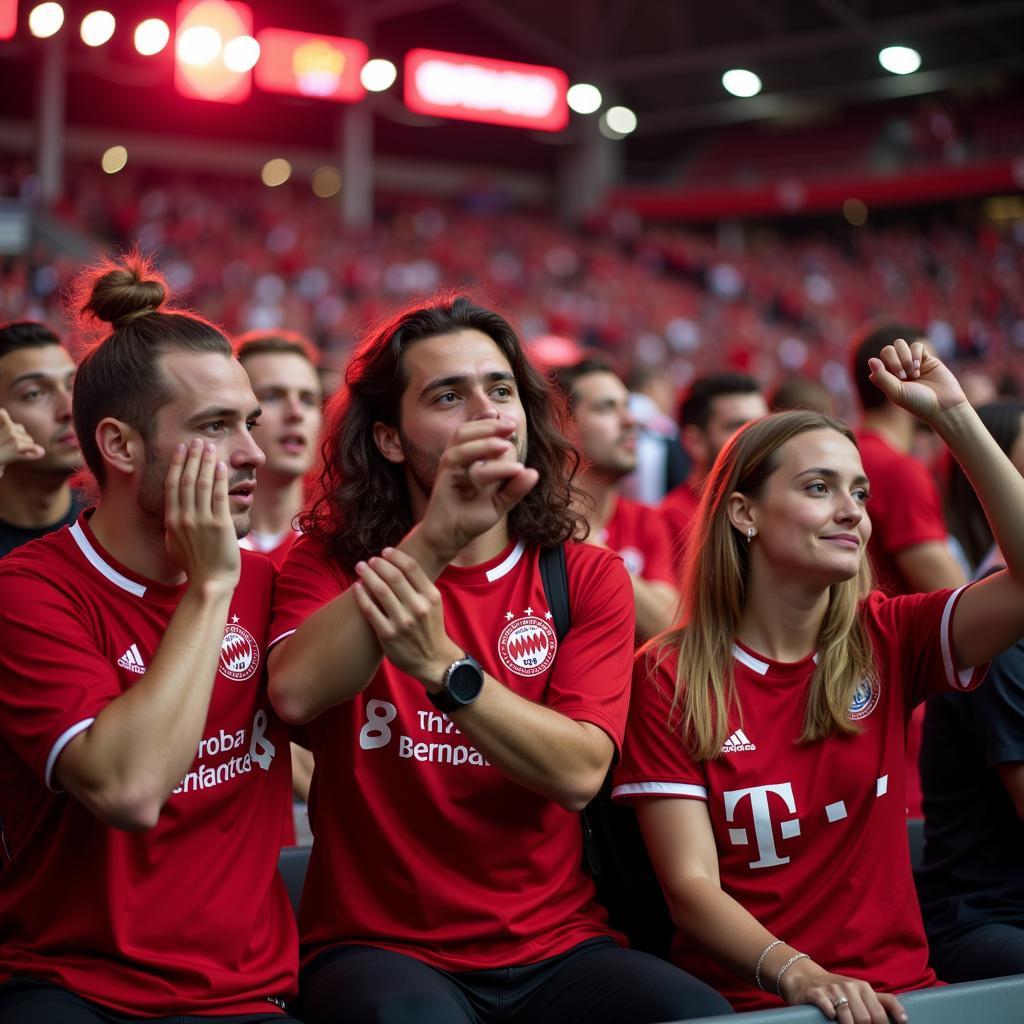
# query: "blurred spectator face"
728 414
660 389
287 387
35 389
607 430
979 388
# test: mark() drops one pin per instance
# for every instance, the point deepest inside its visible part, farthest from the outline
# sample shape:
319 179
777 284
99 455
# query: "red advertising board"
481 89
213 80
8 18
301 64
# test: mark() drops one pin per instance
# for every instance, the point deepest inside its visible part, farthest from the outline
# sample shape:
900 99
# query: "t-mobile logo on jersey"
760 807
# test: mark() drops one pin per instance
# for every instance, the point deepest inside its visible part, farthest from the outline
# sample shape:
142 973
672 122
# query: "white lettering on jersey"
132 660
761 812
376 732
261 750
737 742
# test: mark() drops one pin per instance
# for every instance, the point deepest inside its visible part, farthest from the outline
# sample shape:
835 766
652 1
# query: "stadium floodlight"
584 98
151 36
276 172
241 53
45 20
900 60
621 120
378 74
326 182
97 28
741 82
114 159
199 45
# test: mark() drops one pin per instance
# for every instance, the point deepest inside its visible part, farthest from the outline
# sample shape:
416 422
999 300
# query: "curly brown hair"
363 501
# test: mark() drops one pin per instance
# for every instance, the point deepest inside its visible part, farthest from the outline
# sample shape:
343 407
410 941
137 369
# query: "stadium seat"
998 1001
292 863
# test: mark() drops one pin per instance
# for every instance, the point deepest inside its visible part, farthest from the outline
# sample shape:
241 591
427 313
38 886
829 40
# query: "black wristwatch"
463 680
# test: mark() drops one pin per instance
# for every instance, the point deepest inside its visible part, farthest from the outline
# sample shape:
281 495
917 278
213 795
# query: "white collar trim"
95 559
759 666
508 565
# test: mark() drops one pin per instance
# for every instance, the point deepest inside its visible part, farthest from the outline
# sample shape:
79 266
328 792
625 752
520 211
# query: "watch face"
465 682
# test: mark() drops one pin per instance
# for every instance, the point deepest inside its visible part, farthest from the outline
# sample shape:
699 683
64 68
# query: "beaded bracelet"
785 967
760 961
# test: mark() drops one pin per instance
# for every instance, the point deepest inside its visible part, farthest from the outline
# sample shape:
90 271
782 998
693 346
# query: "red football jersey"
422 846
678 509
640 537
811 838
274 546
189 917
905 507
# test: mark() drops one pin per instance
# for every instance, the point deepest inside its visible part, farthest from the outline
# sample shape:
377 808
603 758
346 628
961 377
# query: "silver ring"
841 1001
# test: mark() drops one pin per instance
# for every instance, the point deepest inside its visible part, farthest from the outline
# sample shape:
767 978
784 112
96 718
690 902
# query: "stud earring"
751 533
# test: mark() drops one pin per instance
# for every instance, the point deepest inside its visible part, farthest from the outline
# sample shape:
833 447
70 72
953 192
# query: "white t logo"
761 813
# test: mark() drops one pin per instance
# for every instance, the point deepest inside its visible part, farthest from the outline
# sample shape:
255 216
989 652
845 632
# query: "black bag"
613 847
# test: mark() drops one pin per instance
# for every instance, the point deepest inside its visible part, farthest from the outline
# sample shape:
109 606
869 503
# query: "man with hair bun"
456 734
140 759
38 449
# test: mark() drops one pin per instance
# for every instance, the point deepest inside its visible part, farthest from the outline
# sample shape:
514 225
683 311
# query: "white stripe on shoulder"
660 789
759 666
957 678
283 636
62 741
95 559
508 565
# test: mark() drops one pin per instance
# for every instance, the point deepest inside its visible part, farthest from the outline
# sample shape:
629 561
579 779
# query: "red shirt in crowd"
905 510
190 916
422 846
811 838
274 546
678 509
639 535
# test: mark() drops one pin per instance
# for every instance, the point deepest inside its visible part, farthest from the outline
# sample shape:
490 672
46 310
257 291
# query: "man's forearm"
125 765
537 747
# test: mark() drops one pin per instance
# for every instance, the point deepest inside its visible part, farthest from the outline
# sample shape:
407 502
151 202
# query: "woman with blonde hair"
765 749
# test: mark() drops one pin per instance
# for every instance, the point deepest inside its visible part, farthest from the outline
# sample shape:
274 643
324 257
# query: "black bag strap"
555 578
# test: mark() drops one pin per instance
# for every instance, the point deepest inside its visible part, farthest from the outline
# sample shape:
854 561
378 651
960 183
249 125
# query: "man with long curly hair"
456 736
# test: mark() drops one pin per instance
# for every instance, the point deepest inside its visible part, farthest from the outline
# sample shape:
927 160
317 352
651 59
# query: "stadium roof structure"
662 58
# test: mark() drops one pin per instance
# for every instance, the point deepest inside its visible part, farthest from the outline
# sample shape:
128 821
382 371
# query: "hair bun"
126 292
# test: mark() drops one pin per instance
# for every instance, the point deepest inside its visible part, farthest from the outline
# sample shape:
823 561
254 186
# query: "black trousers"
31 1002
596 981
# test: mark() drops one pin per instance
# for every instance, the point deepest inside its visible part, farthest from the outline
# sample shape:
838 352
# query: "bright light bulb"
151 36
900 60
741 83
114 159
241 53
199 45
97 28
276 172
583 98
378 74
45 20
621 120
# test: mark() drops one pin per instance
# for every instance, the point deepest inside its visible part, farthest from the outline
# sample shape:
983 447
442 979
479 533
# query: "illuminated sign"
481 89
300 64
8 18
204 28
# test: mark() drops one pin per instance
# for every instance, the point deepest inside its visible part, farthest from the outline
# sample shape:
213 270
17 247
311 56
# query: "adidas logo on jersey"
132 660
736 742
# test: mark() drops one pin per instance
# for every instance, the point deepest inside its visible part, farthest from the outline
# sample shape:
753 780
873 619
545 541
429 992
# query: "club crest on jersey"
527 644
865 699
634 561
239 652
